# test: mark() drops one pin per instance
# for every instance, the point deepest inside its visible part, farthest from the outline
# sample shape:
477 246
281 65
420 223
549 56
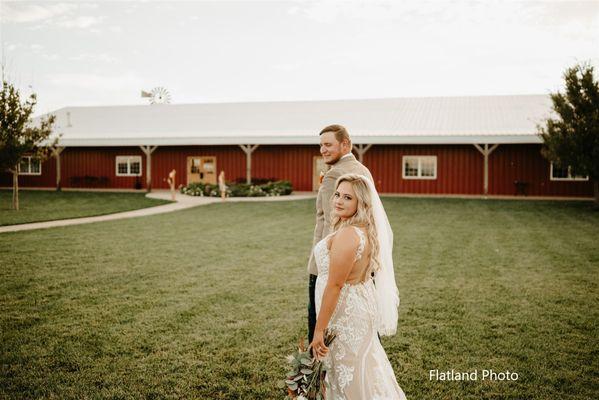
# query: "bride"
347 300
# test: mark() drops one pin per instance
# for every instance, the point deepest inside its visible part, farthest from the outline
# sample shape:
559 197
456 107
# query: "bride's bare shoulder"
346 238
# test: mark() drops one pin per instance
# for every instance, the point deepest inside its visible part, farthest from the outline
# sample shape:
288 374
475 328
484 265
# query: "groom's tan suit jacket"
346 165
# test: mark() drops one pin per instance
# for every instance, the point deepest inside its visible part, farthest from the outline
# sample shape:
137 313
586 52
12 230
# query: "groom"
335 147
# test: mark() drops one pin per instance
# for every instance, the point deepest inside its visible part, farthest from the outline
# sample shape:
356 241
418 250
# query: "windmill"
158 95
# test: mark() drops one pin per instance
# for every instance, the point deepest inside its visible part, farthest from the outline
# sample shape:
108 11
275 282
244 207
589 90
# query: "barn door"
201 169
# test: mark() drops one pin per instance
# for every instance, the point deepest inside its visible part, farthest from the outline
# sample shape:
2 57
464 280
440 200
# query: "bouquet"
305 381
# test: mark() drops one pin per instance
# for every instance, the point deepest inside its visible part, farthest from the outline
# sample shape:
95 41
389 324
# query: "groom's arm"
323 212
318 228
328 188
323 205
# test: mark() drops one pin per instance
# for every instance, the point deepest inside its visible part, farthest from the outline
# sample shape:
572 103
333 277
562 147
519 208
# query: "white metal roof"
424 120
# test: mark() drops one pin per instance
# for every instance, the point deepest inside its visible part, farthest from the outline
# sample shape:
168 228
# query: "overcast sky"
105 53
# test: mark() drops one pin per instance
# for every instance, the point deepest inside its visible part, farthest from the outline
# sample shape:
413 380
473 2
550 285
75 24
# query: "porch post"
361 149
148 150
486 152
56 153
248 150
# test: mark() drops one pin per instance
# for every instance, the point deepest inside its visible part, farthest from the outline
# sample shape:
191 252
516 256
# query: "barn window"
564 174
30 165
128 165
419 167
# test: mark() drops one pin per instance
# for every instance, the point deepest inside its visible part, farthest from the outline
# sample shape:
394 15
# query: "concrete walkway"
182 202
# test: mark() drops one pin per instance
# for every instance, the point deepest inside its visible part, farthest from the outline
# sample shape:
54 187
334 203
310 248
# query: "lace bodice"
358 367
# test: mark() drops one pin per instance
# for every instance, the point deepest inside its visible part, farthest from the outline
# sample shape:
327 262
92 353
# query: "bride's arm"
342 254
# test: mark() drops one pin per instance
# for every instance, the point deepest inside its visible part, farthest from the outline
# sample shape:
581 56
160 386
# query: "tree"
18 137
572 139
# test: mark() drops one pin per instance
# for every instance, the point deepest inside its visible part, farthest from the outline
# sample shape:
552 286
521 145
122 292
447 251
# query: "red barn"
436 145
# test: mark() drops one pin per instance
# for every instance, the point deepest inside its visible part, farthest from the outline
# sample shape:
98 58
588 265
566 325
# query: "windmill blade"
160 96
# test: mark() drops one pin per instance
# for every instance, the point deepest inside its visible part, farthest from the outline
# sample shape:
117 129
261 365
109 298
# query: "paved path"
182 202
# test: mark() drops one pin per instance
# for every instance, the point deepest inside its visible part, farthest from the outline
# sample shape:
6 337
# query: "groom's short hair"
340 133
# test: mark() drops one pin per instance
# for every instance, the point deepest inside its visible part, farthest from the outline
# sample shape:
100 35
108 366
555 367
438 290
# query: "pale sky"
105 53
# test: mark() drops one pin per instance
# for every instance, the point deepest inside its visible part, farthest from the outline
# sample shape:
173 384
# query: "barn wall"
84 167
231 159
96 167
524 162
46 179
293 163
459 168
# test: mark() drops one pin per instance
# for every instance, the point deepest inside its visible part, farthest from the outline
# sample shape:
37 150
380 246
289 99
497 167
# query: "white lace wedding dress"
358 367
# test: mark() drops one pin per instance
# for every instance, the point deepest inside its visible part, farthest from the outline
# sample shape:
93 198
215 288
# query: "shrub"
256 181
278 188
201 189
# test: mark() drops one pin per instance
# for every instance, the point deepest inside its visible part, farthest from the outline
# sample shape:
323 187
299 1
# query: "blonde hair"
363 217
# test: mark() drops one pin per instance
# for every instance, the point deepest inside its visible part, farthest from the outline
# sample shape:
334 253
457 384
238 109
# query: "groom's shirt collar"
341 158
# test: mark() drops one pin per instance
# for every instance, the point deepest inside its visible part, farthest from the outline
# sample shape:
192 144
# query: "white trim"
570 178
29 166
128 160
420 159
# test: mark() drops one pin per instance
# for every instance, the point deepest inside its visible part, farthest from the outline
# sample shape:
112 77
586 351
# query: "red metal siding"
293 163
46 179
231 159
98 163
524 162
459 169
81 164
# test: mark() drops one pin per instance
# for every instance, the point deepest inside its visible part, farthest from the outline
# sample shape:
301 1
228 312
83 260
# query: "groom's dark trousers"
311 308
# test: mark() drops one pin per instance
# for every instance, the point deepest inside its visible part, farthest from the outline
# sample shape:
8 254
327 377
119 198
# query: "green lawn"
36 205
205 303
